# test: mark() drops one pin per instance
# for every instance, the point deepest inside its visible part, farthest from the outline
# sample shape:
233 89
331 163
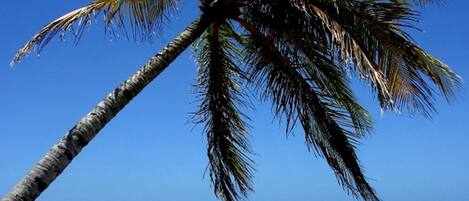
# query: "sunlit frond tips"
145 18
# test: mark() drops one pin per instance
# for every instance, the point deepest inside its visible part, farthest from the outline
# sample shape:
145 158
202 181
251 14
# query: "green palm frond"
375 29
144 16
312 59
348 49
318 113
219 81
367 36
330 80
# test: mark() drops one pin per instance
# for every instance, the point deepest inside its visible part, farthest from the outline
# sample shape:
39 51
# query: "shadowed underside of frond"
144 16
299 101
228 149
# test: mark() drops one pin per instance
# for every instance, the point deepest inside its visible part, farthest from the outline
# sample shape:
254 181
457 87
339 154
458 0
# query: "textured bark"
62 153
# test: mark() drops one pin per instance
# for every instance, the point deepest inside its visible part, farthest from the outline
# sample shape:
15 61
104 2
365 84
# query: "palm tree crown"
299 55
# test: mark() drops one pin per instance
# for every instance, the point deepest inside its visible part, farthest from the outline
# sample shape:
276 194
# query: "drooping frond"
219 80
312 59
331 83
368 36
374 30
298 100
144 16
347 49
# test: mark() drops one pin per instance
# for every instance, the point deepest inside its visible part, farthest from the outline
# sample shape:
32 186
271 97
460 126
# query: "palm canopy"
299 54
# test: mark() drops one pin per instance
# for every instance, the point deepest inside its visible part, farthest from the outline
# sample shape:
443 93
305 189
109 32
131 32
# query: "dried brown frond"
144 16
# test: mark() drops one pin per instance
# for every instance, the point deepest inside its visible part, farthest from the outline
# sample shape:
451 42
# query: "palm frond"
376 29
219 80
293 96
144 16
419 2
348 49
311 58
330 80
367 36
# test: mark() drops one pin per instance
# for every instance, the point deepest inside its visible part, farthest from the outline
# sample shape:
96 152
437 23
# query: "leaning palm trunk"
61 154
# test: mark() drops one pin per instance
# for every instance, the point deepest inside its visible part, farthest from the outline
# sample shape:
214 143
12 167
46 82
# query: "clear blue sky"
151 151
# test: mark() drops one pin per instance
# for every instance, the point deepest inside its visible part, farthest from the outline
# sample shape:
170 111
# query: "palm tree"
298 54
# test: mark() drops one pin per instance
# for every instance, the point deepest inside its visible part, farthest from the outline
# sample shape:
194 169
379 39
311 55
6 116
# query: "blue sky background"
151 151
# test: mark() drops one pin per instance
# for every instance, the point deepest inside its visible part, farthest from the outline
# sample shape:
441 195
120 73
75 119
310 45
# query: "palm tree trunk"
62 153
